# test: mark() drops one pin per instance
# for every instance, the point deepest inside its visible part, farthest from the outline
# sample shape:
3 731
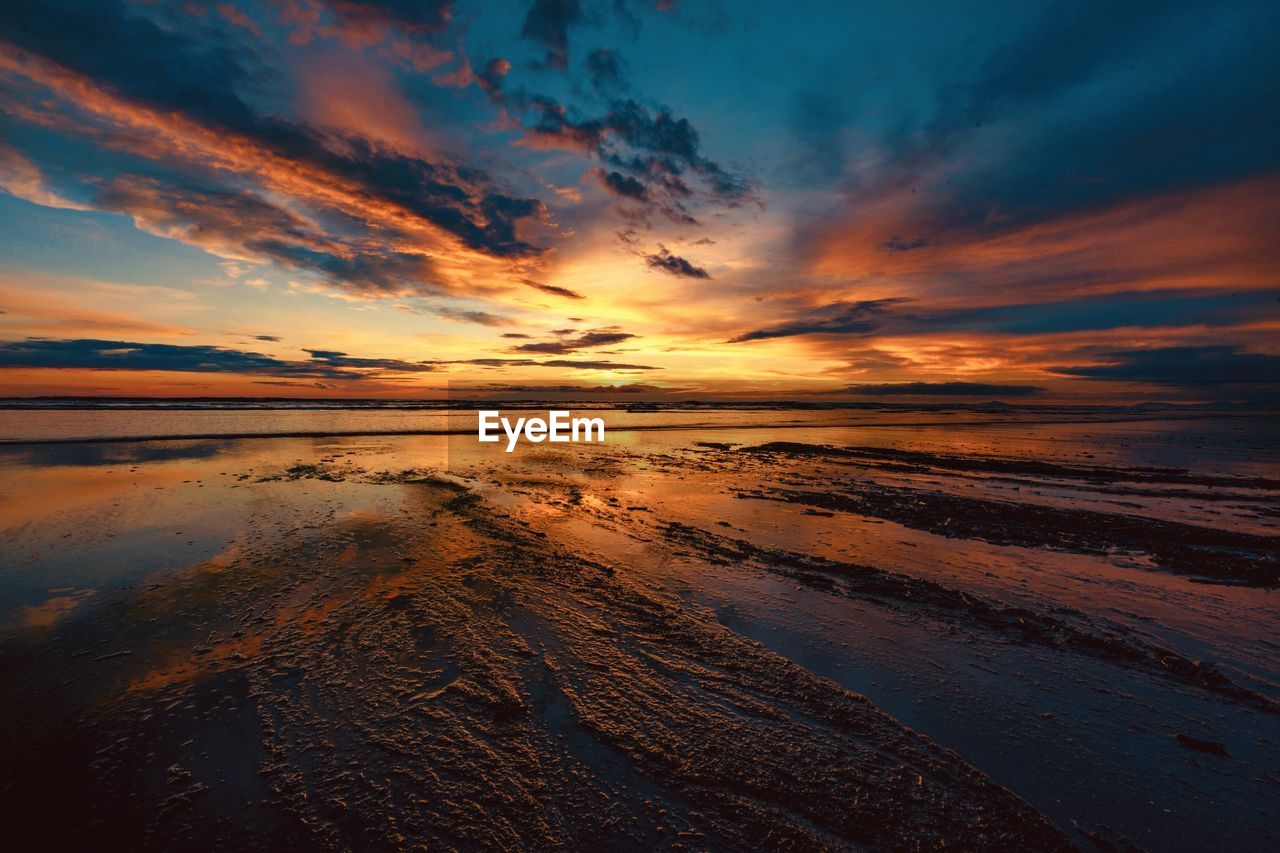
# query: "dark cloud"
336 359
862 359
667 146
547 347
483 318
1183 367
457 315
657 147
632 388
658 151
622 186
674 264
554 290
577 364
457 200
574 364
587 340
92 354
198 74
601 337
271 338
410 16
547 23
289 383
837 318
514 335
380 271
495 362
127 355
898 244
943 389
629 388
1147 309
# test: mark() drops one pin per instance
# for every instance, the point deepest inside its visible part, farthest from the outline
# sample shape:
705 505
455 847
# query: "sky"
684 199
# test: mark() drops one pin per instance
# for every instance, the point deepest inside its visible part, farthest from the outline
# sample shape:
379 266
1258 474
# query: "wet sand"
868 639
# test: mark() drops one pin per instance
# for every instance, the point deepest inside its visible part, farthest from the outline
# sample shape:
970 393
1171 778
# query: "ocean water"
98 505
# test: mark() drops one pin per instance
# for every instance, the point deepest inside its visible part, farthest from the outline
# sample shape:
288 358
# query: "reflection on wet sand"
60 604
664 640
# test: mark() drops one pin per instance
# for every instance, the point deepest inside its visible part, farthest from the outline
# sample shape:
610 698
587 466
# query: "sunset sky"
848 200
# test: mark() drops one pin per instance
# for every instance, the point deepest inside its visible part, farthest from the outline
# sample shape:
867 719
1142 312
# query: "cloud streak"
674 264
1183 367
94 354
838 318
568 344
943 389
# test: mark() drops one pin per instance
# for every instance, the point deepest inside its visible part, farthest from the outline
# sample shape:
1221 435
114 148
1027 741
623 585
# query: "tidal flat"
781 629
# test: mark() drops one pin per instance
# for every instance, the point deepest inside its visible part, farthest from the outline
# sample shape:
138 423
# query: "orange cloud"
43 313
22 178
1223 236
167 136
359 98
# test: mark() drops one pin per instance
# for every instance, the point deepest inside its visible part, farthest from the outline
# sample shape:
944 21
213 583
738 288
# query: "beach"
887 629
